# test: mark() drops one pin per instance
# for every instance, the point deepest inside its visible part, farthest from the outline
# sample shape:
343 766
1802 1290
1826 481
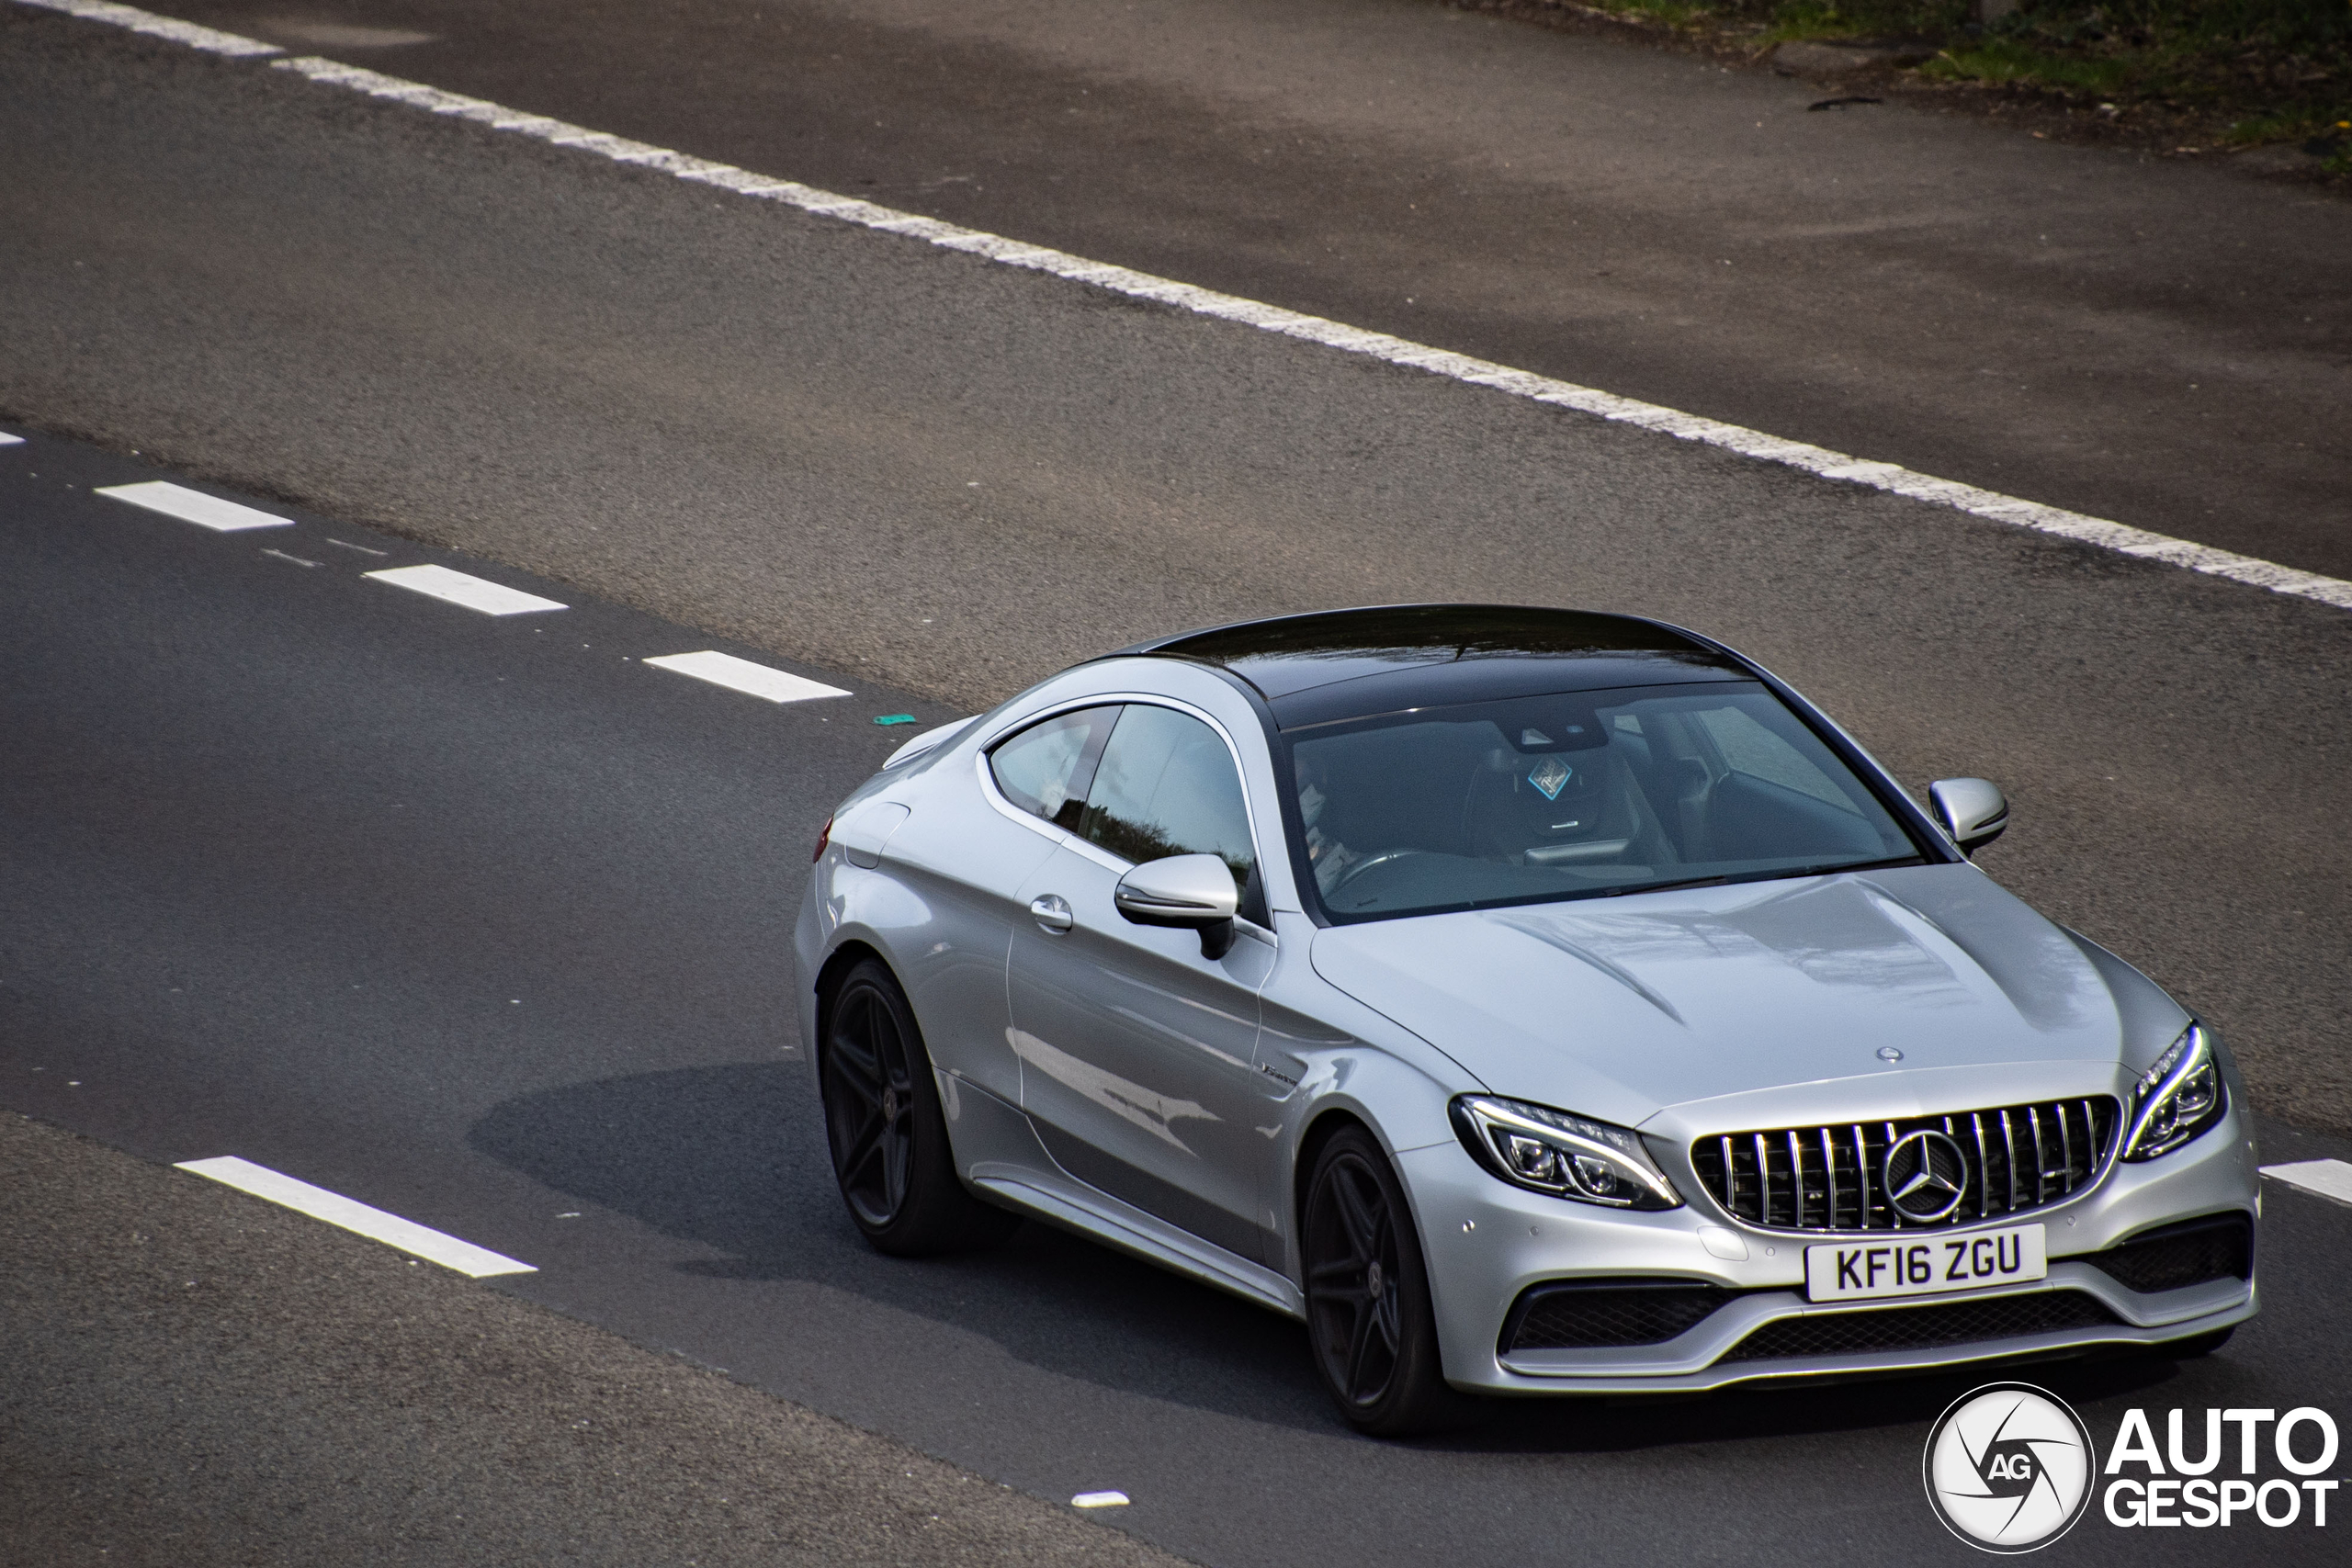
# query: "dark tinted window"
1046 767
1574 796
1166 786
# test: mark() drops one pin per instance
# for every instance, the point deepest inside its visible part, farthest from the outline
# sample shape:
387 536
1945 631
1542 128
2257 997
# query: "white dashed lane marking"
8 440
2328 1178
742 675
458 588
1099 1500
194 506
351 1215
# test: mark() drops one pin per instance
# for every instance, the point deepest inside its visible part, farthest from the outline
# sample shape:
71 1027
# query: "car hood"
1620 1008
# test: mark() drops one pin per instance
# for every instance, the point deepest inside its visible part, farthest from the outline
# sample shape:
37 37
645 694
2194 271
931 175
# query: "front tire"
1368 1312
891 1156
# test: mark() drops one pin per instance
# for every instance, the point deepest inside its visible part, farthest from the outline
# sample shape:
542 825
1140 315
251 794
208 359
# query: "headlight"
1550 1151
2176 1099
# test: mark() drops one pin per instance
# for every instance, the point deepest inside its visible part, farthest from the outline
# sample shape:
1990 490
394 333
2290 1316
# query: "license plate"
1903 1266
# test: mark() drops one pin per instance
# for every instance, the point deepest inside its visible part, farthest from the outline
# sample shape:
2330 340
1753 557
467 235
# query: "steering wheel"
1383 858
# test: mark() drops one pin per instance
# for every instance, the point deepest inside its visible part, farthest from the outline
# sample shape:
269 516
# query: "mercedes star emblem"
1926 1175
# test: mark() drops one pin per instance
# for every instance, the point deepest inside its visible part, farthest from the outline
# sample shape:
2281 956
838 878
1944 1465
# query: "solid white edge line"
464 588
193 506
742 675
349 1214
153 26
2327 1178
2120 538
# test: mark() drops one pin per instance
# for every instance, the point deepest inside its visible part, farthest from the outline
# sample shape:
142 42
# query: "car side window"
1047 768
1166 786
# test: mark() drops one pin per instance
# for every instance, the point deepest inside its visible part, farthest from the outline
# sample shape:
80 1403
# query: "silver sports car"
1531 1001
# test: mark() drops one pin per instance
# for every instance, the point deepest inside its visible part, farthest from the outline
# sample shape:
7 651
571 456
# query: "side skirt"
1003 1159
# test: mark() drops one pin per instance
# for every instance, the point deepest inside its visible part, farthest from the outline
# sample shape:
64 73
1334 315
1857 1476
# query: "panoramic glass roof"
1344 664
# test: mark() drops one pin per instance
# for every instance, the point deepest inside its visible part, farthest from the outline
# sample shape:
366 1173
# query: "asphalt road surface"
483 921
2160 344
194 1377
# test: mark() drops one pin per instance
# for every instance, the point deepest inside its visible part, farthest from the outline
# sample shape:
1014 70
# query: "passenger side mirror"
1189 892
1974 811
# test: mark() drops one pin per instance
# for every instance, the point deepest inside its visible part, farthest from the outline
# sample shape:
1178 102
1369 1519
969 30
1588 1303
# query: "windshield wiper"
1776 876
1666 886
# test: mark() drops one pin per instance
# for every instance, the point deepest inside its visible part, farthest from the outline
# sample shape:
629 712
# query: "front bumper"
1488 1242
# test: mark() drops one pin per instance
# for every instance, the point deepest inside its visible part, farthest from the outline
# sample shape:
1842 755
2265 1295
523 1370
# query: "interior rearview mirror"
1974 811
1190 892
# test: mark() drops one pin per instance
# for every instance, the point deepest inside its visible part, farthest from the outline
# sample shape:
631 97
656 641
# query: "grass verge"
2177 75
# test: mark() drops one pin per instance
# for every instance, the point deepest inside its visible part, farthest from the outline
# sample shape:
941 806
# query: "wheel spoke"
1350 1268
867 1092
897 1156
1359 1350
869 1139
1361 1220
1385 1318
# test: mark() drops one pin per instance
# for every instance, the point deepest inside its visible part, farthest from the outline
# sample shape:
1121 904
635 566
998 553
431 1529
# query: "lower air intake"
1594 1315
2195 1252
1922 1328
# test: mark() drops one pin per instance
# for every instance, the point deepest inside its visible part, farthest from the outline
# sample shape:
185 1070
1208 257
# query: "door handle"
1052 914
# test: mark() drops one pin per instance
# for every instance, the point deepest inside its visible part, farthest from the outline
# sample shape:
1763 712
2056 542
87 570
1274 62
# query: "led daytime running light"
1567 1156
2176 1099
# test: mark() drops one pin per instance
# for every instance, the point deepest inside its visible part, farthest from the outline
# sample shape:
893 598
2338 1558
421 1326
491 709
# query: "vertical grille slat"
2010 1152
2041 1158
1984 1172
1796 1178
1828 1174
1800 1178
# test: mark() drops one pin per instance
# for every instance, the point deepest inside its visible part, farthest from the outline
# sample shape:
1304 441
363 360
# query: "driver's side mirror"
1189 892
1974 811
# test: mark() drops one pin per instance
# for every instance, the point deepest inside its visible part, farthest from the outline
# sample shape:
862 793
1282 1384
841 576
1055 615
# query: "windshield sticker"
1551 776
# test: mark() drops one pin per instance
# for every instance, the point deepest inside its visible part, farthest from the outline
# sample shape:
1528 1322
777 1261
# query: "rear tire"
882 1125
1368 1312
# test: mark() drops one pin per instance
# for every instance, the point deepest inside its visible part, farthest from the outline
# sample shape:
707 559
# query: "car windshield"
1579 795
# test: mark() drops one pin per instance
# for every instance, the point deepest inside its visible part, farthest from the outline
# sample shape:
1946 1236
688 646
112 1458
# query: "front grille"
1833 1178
1585 1315
2220 1247
1922 1328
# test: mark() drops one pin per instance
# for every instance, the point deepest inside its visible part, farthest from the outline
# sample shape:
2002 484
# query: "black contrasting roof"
1339 664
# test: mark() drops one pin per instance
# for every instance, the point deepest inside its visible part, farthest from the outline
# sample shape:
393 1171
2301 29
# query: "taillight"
824 837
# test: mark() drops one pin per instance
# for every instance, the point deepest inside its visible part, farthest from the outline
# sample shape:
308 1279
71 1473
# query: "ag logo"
2008 1467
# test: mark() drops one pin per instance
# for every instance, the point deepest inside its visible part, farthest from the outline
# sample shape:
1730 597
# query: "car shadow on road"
732 1158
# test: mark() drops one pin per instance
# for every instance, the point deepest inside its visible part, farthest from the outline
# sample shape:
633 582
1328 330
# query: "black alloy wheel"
1368 1310
891 1155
